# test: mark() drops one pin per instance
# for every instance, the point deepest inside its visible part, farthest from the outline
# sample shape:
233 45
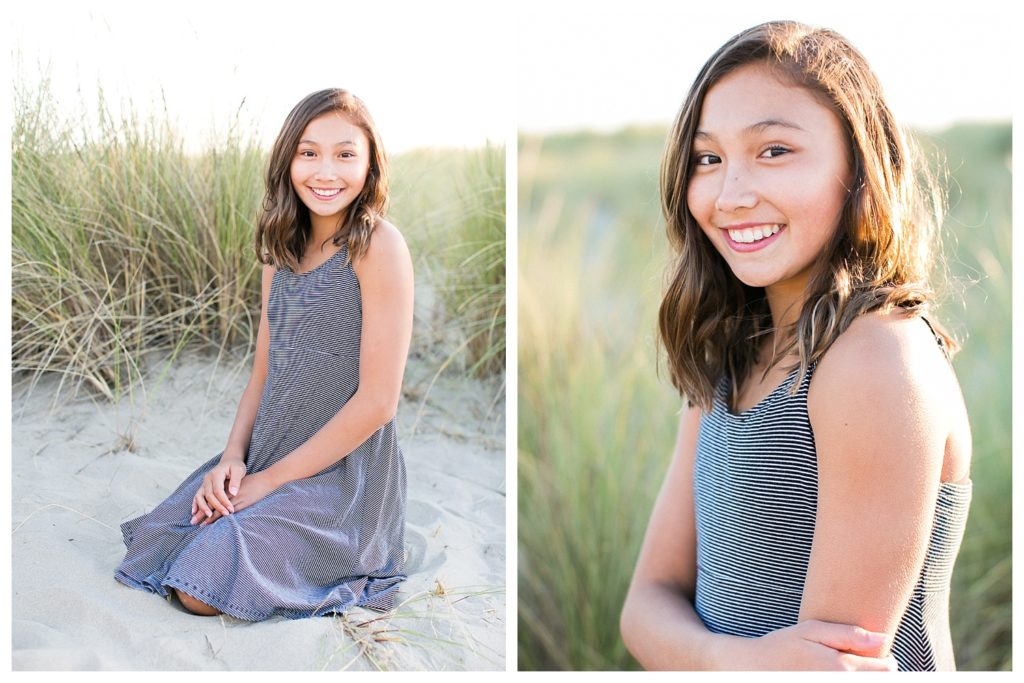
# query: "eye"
706 159
348 155
775 151
307 153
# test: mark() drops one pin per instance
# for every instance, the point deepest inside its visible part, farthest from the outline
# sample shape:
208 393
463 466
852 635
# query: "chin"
755 279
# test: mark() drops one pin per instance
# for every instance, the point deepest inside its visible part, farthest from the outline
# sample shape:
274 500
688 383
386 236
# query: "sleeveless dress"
755 497
315 546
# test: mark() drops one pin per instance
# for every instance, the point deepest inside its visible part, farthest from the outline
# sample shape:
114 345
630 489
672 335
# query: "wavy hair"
284 224
878 258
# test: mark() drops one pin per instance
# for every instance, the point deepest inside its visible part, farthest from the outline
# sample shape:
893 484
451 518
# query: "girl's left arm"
386 286
877 408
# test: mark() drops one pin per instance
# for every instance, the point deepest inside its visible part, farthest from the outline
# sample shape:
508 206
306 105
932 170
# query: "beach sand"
84 467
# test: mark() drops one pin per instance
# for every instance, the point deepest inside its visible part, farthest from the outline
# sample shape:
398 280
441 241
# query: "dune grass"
124 244
596 426
456 201
432 629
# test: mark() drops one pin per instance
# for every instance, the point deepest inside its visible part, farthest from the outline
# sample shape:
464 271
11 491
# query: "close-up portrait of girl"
764 293
821 479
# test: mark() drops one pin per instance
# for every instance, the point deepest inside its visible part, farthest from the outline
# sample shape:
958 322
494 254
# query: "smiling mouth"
752 235
325 193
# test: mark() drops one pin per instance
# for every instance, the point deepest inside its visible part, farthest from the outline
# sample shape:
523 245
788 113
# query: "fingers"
846 638
216 497
199 506
200 510
236 474
211 520
851 662
211 501
203 519
221 501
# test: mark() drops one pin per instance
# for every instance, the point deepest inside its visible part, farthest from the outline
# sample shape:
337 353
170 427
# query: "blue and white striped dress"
315 546
756 494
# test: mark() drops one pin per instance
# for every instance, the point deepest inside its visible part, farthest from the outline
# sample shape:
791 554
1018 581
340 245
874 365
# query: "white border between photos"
511 391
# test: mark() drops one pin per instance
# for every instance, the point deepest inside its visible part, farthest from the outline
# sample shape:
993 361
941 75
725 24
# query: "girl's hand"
252 489
816 646
212 497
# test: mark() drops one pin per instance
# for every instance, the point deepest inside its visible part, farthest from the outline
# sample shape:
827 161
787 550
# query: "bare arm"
241 431
386 285
878 409
211 499
658 623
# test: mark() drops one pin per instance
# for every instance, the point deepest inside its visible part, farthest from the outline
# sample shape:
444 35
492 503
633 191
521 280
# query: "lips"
752 236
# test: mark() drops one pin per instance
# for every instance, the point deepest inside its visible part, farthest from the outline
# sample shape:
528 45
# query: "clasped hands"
226 489
816 646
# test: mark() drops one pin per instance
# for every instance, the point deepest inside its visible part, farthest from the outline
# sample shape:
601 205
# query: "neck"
322 228
785 301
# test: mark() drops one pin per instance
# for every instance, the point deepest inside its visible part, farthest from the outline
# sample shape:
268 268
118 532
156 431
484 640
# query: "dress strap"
938 337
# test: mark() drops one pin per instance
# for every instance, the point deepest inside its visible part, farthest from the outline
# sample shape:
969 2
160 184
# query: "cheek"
358 177
364 171
827 211
699 199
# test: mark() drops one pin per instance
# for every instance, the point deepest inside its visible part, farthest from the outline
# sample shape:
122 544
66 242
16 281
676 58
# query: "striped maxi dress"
315 546
755 498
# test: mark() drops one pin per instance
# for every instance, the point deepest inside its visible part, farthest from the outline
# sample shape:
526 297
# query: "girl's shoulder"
269 270
886 370
386 243
387 252
891 338
386 235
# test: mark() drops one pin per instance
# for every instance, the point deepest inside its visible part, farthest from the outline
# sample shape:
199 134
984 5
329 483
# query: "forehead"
754 93
334 127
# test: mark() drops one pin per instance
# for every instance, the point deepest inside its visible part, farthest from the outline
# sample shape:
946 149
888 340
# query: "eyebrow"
758 127
336 144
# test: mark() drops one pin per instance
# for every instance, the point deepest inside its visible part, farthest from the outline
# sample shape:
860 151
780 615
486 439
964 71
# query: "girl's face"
770 176
330 165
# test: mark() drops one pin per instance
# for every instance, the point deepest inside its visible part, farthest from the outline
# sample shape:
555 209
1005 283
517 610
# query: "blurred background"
139 140
597 91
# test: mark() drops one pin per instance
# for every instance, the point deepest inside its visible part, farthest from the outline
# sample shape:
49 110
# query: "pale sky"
453 72
432 73
603 64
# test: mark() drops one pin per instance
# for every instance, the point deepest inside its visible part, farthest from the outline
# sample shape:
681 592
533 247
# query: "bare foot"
194 605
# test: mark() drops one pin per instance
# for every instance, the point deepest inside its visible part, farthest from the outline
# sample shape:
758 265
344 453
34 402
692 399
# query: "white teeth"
324 193
753 235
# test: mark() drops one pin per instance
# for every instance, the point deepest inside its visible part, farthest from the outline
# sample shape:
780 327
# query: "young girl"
819 488
303 512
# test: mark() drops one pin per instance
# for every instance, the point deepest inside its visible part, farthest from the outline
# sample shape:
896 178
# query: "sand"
83 467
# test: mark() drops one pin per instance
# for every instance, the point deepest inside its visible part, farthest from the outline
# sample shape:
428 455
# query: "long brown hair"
284 225
878 258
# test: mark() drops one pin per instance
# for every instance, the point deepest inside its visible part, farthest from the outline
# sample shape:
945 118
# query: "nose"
736 192
326 170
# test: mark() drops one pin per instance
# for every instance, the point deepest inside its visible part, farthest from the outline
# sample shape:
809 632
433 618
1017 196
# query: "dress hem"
374 602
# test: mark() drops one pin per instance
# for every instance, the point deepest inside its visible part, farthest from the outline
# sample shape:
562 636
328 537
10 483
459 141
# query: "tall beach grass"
596 425
456 200
124 244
